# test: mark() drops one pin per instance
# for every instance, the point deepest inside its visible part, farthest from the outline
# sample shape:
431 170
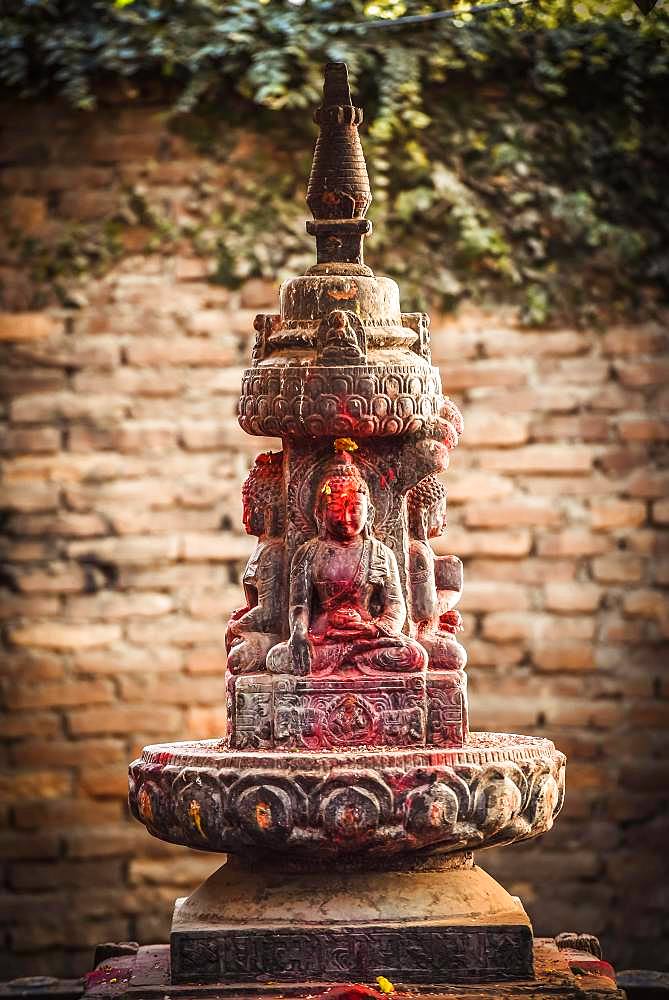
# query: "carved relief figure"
435 581
341 339
255 628
347 610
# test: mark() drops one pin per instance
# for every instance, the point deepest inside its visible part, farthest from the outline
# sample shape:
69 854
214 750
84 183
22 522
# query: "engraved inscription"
416 954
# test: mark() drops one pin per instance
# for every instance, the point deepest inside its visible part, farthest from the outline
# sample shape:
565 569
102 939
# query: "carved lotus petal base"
443 923
494 790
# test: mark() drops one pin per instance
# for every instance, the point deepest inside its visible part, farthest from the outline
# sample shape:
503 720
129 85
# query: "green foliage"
518 154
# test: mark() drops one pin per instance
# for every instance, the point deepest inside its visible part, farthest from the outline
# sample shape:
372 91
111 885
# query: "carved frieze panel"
332 713
415 954
447 717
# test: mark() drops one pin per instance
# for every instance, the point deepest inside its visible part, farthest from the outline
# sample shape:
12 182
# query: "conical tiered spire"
338 193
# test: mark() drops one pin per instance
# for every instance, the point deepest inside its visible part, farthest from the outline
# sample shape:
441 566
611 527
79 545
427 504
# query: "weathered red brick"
27 326
206 660
54 578
619 567
507 626
59 695
571 656
635 340
552 629
499 656
40 407
145 436
647 603
190 268
88 206
609 515
534 570
548 459
107 606
473 484
27 214
572 542
120 657
148 351
140 550
485 429
35 440
644 429
23 785
643 373
257 293
206 722
55 635
572 598
21 724
494 595
29 497
216 547
485 373
106 782
648 484
505 544
80 351
513 512
105 841
123 719
69 753
579 427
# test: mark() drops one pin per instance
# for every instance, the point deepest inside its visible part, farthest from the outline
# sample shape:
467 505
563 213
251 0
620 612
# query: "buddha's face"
344 510
436 520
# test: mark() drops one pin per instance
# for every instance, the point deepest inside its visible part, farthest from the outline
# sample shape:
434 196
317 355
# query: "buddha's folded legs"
444 651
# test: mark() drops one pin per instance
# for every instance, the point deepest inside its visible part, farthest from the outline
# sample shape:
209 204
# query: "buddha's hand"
345 618
367 631
300 651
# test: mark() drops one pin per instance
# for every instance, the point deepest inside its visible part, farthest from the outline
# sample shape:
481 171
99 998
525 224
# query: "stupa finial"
338 193
336 90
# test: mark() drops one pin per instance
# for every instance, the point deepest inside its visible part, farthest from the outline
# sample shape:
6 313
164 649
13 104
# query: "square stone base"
314 713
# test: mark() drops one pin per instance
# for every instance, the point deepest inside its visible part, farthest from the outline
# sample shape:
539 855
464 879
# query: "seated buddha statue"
346 605
435 582
255 628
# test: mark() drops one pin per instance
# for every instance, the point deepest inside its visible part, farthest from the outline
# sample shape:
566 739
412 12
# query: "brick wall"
123 548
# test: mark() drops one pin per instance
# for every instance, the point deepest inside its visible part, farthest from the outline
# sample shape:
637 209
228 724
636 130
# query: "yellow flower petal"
345 444
385 985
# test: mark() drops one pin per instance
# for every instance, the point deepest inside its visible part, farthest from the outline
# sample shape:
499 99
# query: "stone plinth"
437 921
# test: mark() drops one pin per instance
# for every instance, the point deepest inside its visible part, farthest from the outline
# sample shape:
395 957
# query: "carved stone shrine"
349 791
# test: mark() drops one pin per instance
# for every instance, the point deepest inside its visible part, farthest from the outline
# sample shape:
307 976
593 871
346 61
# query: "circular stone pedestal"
496 789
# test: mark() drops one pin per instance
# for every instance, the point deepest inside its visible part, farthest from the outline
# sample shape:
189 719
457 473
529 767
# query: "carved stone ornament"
495 790
348 739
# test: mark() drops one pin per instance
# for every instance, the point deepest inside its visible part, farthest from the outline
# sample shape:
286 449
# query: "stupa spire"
338 193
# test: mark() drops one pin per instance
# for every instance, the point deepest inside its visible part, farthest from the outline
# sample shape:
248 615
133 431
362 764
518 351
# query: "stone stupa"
349 792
